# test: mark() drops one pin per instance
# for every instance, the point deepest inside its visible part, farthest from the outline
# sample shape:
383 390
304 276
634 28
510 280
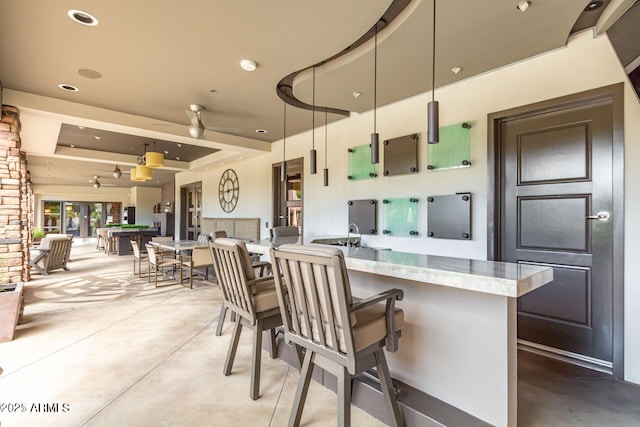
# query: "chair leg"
233 346
387 390
301 390
273 348
256 357
344 398
223 312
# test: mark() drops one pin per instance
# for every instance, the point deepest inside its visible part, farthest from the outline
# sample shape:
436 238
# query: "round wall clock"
228 190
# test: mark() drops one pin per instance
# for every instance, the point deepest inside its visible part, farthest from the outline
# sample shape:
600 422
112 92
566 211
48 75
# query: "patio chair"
156 265
200 258
138 257
253 301
264 267
340 335
52 254
282 231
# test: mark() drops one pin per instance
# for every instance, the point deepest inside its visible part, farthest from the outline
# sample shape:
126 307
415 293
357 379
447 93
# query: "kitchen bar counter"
493 277
459 342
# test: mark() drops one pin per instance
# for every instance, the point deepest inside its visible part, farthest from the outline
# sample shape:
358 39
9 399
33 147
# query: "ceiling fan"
197 128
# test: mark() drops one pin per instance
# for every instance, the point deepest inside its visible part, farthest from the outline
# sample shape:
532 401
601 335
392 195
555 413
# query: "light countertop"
493 277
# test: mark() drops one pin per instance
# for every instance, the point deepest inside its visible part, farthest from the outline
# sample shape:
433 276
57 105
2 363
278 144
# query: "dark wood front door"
556 208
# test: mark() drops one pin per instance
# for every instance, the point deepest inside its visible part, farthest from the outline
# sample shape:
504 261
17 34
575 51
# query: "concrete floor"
99 347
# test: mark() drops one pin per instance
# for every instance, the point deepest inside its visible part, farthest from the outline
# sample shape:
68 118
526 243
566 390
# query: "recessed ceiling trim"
284 88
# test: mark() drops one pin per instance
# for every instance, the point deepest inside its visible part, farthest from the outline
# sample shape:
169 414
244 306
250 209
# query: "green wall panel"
453 151
360 166
400 216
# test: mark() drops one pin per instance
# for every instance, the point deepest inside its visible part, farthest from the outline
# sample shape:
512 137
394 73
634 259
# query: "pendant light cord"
433 55
313 113
325 138
375 75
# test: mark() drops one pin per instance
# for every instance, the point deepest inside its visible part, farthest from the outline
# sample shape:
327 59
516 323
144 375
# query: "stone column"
16 204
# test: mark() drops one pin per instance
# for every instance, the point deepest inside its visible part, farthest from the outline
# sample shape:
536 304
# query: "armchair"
342 336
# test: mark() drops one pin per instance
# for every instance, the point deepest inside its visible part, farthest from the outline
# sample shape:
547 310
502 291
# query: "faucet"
349 235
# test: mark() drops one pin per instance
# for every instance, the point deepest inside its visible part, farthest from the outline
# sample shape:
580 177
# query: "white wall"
144 198
586 63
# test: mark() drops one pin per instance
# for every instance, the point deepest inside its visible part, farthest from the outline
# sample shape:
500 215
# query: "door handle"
603 216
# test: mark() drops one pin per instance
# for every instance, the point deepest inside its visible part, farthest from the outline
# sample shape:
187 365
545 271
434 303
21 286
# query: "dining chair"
263 267
204 239
282 231
252 299
138 257
342 335
163 253
156 265
200 258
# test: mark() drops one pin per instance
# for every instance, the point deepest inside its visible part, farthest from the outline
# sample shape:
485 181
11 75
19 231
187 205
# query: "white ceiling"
156 57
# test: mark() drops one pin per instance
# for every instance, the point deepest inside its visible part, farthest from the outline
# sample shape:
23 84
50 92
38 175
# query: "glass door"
52 218
191 215
287 195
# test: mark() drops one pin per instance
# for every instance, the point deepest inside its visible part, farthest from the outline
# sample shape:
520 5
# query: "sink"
342 241
338 241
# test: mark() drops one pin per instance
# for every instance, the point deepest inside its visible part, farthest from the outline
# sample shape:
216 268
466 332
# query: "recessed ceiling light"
89 74
248 65
456 70
177 158
166 151
179 145
83 18
593 5
523 6
80 127
97 137
68 87
261 131
72 145
51 162
356 94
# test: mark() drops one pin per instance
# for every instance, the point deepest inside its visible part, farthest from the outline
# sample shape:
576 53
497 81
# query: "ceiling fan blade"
194 118
225 130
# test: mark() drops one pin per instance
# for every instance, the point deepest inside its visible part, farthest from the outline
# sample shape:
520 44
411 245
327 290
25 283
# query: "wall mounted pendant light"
117 173
154 159
283 166
313 153
433 115
325 171
375 138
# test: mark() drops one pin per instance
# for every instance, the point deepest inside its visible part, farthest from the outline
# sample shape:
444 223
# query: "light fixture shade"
134 176
96 184
312 161
143 172
154 159
117 173
326 177
433 122
375 148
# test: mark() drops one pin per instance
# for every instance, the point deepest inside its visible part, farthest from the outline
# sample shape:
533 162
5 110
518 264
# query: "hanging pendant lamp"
283 166
325 171
313 153
433 119
154 159
375 138
134 177
143 172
